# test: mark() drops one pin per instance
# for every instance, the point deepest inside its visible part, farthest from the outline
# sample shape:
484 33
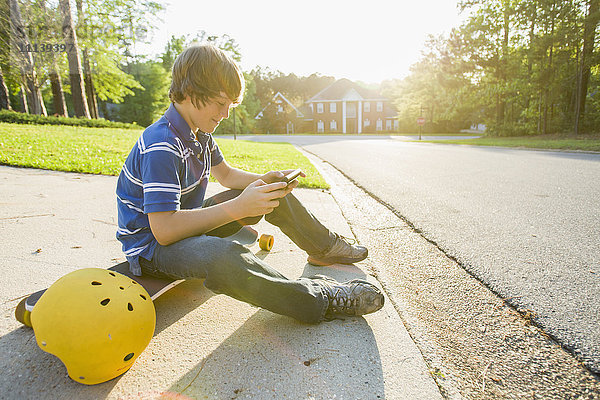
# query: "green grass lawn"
263 157
103 151
382 134
549 142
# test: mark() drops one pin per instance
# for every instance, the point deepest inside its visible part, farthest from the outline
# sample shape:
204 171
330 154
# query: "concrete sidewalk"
205 345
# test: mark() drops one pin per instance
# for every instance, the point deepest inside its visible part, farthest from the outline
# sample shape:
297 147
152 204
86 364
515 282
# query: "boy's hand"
276 176
260 198
272 176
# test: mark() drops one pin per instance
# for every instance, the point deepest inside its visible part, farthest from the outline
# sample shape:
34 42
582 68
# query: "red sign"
421 121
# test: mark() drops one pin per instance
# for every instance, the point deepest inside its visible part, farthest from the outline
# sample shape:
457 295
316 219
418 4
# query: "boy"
167 228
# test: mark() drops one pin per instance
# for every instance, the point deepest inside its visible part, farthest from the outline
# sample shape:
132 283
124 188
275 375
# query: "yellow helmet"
96 321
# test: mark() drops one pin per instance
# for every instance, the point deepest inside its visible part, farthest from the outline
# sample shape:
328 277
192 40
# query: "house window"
379 106
279 108
333 125
379 126
320 127
388 125
367 122
332 108
367 107
319 108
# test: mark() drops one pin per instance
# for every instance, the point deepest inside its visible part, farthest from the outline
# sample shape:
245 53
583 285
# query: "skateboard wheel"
266 242
22 315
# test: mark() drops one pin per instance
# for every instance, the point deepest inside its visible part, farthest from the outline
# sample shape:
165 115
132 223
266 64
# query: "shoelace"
341 301
350 241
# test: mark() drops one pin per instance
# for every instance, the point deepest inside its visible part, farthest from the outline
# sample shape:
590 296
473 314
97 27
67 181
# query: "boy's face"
207 117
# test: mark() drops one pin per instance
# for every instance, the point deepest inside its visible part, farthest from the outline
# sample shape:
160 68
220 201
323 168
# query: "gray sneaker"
343 251
349 299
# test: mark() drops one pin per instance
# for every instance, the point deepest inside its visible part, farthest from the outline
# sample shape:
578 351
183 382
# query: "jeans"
232 269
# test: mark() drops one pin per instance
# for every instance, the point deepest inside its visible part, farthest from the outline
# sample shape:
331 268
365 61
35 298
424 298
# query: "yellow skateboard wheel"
266 242
22 315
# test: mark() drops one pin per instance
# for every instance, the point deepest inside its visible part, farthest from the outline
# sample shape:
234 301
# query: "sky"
368 41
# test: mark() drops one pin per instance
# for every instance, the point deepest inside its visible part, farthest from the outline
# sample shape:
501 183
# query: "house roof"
345 89
278 95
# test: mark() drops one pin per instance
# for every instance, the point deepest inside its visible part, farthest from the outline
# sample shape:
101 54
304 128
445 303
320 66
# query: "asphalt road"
526 223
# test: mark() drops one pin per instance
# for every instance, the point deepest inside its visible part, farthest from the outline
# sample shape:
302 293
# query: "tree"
294 88
4 96
439 87
174 47
75 71
146 103
519 66
108 31
4 56
583 76
90 93
48 23
25 59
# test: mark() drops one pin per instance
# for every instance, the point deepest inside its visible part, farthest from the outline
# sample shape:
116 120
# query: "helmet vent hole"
82 377
111 274
134 282
128 357
129 307
142 296
121 287
105 302
96 283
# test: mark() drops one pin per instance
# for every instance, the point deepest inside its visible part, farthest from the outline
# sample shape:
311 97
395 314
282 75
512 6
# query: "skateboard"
155 286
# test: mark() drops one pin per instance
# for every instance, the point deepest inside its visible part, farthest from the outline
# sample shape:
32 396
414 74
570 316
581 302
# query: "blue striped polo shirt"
167 170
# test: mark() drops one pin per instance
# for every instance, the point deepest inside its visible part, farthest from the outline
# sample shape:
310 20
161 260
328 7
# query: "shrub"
22 118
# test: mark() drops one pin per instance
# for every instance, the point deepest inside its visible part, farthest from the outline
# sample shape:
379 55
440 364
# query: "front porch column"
344 116
359 116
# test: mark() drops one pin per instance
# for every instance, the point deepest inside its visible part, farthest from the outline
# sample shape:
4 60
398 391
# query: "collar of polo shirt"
182 128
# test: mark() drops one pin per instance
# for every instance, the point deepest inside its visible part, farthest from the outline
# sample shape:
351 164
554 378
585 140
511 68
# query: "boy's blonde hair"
202 72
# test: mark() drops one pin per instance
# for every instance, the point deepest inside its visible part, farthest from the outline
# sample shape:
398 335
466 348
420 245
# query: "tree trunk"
89 86
502 71
575 89
539 120
75 73
548 76
589 32
504 65
547 86
23 99
87 71
4 96
530 52
58 96
545 114
32 87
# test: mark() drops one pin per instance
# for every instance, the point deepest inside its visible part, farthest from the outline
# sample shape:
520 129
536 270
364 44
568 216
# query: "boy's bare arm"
235 178
231 177
257 199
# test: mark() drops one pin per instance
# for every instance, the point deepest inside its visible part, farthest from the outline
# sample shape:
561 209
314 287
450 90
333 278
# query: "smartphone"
291 176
